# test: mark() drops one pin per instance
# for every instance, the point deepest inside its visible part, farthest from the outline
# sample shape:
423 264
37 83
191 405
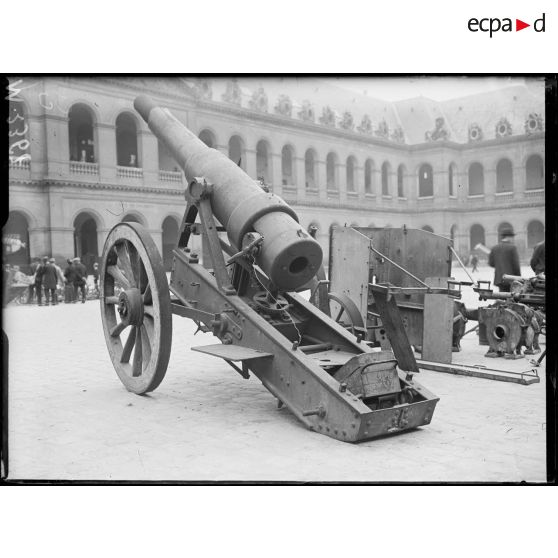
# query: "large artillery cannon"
331 381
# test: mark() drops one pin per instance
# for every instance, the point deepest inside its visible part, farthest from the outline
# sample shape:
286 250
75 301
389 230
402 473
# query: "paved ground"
71 418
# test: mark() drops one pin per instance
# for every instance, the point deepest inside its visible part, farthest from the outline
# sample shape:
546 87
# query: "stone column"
274 172
106 144
250 163
440 187
359 181
36 135
341 181
299 177
149 150
58 147
321 179
489 185
62 242
157 235
39 242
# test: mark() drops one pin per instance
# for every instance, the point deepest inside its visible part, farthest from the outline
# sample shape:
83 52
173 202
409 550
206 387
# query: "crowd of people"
48 281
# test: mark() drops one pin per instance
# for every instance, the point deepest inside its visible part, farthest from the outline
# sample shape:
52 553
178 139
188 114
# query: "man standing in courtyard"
80 278
50 281
504 258
69 276
39 272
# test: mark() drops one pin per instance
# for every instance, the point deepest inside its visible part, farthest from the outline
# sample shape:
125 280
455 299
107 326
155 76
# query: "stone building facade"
82 160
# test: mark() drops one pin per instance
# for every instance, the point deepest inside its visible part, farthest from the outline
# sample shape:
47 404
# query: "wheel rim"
347 308
135 307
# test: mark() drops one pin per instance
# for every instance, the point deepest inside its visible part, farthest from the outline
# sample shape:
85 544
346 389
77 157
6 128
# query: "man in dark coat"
69 276
537 261
50 280
39 272
80 279
504 258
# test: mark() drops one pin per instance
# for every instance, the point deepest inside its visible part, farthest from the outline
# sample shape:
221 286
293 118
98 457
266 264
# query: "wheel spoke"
148 310
340 314
148 325
137 364
111 300
118 276
135 264
125 262
128 347
118 329
147 296
146 342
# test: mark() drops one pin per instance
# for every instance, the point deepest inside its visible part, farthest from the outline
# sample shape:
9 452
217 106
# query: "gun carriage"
417 266
245 295
516 318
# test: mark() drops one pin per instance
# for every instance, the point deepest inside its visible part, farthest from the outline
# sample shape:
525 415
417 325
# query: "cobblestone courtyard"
71 418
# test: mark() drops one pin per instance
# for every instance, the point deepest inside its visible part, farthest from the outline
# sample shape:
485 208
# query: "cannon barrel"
289 256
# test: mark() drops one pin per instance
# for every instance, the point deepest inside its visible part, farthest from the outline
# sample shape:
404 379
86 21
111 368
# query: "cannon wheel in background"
135 307
346 307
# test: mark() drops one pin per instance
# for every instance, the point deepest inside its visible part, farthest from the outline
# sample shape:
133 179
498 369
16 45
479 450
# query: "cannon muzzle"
289 256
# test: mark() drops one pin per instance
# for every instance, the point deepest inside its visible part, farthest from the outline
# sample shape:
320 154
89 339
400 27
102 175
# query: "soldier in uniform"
504 258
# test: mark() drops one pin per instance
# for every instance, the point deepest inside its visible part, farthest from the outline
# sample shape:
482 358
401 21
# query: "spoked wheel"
347 314
135 307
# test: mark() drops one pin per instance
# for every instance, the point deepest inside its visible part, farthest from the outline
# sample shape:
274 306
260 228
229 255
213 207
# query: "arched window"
15 236
351 164
503 227
535 233
18 134
170 238
166 160
262 161
426 181
331 171
504 176
534 171
428 228
386 170
85 240
476 179
287 165
310 169
236 151
81 135
131 218
401 181
476 236
126 141
368 176
451 180
208 137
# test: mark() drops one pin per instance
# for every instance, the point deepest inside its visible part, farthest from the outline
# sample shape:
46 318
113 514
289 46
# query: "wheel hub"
130 307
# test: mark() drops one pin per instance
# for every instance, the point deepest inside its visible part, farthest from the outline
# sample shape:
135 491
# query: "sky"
436 88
